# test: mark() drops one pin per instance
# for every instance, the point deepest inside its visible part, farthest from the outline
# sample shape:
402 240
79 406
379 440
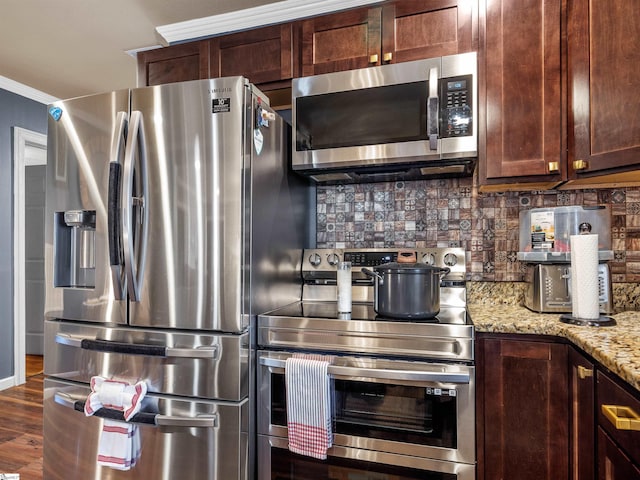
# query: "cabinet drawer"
620 407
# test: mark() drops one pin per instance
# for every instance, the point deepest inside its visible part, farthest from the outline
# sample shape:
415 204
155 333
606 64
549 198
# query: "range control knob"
333 259
429 258
450 259
315 259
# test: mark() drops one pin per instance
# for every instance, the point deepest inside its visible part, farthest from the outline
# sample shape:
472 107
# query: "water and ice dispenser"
74 249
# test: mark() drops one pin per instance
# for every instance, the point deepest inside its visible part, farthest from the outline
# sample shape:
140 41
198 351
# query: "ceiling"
69 48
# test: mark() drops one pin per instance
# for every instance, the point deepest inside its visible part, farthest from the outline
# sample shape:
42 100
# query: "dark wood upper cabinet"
178 63
604 102
522 102
524 410
417 29
340 41
263 55
394 32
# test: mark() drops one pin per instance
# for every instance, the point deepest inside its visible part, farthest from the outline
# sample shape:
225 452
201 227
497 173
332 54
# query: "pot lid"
395 267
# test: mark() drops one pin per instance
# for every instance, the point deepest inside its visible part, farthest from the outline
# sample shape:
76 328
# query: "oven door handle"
401 375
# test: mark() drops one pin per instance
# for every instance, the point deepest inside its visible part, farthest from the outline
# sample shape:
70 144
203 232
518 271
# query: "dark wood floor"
21 425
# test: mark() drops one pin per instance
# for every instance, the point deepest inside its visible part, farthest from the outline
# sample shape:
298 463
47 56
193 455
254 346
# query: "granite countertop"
615 347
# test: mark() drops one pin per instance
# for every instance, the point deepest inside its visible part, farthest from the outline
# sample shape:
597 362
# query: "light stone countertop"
615 347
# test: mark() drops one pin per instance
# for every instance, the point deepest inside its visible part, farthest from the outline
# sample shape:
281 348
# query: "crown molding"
25 91
272 13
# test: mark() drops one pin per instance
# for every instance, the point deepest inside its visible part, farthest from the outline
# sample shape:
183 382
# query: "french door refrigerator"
171 221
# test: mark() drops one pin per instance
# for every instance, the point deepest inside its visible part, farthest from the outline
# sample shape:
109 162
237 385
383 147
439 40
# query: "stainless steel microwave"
405 120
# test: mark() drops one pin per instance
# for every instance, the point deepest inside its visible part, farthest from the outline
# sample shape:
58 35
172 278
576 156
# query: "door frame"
22 139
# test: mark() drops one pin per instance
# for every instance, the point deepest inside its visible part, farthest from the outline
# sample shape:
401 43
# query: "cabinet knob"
584 372
580 165
554 167
387 57
373 58
623 418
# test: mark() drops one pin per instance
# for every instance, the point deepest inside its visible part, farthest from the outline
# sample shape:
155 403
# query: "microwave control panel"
455 102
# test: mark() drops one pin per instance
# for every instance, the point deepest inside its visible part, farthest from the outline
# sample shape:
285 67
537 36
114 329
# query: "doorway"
30 158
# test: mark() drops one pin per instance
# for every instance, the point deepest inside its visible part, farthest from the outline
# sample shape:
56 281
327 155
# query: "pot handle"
372 274
444 271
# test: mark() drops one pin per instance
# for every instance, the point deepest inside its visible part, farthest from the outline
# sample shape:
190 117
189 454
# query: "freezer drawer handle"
137 349
205 421
401 375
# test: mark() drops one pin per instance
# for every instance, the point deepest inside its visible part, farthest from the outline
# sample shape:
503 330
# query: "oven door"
276 462
417 409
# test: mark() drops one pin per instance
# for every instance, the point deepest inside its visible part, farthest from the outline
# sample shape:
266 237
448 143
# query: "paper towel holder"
601 321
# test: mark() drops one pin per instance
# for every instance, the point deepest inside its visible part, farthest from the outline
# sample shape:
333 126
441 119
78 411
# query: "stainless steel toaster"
549 288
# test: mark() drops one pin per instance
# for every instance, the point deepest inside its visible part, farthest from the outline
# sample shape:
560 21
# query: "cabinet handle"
373 58
554 167
584 372
623 418
387 57
580 165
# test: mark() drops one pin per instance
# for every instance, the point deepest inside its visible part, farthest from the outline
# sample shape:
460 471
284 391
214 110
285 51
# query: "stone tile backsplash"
451 212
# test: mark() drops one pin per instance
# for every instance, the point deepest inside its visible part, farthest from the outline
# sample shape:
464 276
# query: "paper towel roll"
584 277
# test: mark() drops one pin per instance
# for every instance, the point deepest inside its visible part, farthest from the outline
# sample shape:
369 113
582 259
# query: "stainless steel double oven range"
403 392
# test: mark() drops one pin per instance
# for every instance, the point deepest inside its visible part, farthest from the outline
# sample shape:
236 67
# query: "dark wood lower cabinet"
613 464
524 408
582 436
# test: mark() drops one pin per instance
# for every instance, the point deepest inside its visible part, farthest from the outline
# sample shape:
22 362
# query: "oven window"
369 116
290 466
397 413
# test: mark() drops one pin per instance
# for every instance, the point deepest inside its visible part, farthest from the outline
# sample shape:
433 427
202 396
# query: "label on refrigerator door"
220 105
258 140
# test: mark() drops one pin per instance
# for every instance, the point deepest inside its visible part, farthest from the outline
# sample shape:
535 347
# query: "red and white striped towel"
120 444
309 411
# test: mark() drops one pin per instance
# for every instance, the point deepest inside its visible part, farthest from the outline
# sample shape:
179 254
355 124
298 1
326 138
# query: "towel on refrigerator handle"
120 444
309 413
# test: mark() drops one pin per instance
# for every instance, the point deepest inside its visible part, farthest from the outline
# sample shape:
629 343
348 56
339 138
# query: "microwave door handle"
432 109
134 264
114 232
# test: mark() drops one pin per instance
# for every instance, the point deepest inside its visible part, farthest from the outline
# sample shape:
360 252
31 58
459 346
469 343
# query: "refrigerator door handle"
114 232
202 421
93 344
134 262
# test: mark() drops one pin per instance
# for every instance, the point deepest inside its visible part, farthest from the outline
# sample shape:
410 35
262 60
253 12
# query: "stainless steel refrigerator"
171 221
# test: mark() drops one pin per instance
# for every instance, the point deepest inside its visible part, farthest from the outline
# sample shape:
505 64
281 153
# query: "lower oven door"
276 462
180 438
413 409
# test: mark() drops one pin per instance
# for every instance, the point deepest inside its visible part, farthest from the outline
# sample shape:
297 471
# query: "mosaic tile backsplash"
451 212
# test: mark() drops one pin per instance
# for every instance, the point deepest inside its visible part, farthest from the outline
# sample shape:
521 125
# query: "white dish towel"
120 445
309 413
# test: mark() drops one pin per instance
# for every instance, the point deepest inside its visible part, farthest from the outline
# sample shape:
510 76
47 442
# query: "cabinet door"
613 464
179 63
341 41
521 65
417 29
583 424
603 59
262 55
525 410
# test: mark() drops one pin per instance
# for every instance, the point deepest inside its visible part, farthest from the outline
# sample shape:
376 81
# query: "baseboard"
7 382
